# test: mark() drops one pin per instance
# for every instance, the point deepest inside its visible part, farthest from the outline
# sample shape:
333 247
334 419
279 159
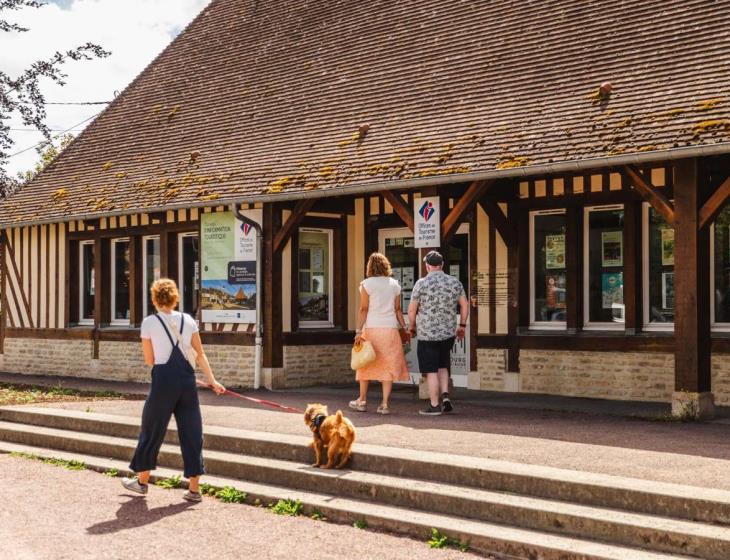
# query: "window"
547 269
189 273
721 268
150 269
315 278
658 270
603 267
120 281
87 284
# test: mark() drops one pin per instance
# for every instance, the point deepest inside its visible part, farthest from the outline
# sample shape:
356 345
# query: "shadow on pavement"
136 513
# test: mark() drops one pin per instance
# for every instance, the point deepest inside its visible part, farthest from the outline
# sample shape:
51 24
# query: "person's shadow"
135 513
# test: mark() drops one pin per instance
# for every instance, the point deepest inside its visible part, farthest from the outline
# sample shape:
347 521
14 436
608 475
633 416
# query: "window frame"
145 290
542 325
715 326
181 268
589 325
647 324
113 286
83 321
330 323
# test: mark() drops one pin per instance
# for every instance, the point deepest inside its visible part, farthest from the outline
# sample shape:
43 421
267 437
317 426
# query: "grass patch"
111 473
208 489
439 540
287 507
230 495
12 394
317 515
169 483
71 465
360 524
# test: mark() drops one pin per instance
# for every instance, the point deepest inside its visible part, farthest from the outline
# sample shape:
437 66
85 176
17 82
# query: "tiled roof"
257 98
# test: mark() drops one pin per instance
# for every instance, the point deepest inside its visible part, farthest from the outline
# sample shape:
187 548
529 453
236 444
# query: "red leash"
257 401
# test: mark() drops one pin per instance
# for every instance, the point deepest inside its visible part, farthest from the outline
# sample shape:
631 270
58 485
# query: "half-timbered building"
579 151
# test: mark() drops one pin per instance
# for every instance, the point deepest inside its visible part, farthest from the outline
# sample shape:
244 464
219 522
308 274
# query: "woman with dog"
380 321
171 346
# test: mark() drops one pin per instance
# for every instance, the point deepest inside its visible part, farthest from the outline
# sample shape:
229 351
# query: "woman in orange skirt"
379 321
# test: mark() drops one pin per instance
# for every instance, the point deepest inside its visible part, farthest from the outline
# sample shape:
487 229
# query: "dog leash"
257 401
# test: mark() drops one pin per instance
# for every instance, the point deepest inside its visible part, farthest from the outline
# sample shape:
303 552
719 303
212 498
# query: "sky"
135 31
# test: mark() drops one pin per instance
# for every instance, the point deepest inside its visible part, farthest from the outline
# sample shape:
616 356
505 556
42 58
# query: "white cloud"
135 31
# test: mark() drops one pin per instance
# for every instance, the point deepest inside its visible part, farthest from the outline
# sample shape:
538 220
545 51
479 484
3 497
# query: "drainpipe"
258 355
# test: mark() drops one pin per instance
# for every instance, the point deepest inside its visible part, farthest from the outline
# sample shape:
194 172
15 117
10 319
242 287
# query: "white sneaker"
133 485
191 496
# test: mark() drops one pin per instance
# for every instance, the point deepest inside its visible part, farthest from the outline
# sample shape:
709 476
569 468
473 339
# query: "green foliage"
28 394
360 524
317 515
208 489
169 483
287 507
71 465
230 495
439 540
111 473
47 152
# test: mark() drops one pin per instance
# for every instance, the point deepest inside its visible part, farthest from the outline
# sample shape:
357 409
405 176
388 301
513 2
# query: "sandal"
359 405
384 410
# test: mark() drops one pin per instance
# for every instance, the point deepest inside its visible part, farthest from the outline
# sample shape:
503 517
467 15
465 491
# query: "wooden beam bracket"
714 204
401 208
650 193
507 231
292 223
464 205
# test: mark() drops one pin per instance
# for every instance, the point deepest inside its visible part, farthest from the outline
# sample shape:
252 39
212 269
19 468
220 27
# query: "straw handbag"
363 354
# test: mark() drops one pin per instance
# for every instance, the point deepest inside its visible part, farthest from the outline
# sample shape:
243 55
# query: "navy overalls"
173 390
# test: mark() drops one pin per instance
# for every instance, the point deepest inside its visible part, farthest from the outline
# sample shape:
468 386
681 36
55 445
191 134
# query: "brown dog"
335 432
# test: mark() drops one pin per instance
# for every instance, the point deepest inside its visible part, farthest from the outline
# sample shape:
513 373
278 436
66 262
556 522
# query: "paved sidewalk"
117 524
518 428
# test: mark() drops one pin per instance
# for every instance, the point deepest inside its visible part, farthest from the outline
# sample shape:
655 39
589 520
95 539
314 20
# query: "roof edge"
527 171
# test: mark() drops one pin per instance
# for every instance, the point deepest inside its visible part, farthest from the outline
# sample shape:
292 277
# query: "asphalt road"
49 512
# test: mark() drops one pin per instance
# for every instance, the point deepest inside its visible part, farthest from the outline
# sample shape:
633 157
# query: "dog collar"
317 423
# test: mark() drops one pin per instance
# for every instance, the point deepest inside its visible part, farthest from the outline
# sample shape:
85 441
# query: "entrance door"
398 246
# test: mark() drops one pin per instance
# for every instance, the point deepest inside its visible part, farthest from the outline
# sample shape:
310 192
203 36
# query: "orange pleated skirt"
390 362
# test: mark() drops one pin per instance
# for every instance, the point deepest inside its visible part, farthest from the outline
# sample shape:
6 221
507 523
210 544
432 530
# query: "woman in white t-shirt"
167 339
380 321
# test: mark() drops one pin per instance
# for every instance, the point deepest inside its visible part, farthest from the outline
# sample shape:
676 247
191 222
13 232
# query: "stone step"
481 536
592 489
600 524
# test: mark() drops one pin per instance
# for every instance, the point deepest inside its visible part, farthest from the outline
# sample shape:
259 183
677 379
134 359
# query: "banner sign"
228 260
427 222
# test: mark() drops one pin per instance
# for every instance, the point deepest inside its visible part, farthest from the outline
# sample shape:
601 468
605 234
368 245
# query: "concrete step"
600 524
591 489
481 536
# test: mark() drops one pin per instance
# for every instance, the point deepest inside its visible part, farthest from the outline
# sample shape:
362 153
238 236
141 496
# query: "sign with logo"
228 261
427 222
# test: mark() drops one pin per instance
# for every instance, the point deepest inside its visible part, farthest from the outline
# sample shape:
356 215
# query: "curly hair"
164 293
378 265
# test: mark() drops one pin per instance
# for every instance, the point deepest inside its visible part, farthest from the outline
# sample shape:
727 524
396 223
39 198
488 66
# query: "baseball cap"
433 258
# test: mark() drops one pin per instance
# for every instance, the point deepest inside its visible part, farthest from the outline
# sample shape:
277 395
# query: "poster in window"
228 268
668 247
612 248
612 289
555 251
667 290
555 291
317 258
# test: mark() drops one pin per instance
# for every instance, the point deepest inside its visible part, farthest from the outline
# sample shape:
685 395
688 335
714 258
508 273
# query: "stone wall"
491 365
317 365
721 379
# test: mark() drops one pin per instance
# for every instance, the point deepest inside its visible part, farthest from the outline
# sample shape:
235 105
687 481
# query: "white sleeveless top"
382 291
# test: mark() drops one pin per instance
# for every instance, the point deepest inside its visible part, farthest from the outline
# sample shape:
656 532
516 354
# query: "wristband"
463 325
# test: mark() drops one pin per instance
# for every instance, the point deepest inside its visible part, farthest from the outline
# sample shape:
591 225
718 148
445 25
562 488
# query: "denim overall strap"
167 331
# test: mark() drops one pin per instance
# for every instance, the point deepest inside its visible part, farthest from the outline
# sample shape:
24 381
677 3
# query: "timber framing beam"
292 223
464 205
714 204
650 193
506 230
400 207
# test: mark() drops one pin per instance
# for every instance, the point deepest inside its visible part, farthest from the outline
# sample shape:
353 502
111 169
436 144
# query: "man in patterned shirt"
431 314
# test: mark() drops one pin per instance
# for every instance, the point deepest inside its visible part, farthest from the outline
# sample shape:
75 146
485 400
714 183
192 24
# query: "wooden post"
4 293
518 286
574 268
273 350
633 266
692 373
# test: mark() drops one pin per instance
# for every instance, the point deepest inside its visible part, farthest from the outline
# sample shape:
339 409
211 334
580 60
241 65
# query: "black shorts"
434 354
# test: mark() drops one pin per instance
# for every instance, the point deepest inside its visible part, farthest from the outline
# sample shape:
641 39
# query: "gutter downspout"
258 354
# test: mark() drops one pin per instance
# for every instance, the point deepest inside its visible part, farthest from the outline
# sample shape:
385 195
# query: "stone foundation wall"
317 365
721 379
118 361
491 365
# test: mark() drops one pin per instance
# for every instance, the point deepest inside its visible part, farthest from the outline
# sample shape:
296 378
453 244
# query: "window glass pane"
152 269
722 266
549 267
121 280
605 266
190 274
661 269
87 281
314 296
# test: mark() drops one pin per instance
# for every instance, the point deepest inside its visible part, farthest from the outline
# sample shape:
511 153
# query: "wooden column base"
693 406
